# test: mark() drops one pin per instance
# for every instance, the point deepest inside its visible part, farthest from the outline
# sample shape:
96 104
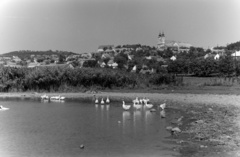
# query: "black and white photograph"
119 78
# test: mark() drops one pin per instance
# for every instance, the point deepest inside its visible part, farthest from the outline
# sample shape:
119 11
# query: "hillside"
234 46
27 53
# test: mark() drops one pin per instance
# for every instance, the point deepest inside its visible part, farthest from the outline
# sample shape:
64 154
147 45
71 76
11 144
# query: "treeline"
56 79
199 66
234 46
23 54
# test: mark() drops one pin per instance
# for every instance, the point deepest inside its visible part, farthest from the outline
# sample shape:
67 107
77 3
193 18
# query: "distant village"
105 56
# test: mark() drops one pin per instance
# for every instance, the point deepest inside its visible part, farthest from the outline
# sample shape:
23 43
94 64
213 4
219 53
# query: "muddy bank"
204 129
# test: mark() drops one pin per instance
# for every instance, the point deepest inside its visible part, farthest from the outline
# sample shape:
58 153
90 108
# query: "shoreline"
223 99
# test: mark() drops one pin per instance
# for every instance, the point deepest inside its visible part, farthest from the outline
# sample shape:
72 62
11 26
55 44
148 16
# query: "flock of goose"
53 98
137 103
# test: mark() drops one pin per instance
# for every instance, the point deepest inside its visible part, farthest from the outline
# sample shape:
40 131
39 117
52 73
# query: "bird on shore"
126 107
102 101
108 100
162 106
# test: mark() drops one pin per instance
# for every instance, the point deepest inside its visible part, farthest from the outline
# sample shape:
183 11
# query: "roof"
110 62
177 43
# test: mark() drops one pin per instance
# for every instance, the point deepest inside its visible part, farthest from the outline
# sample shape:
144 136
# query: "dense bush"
60 79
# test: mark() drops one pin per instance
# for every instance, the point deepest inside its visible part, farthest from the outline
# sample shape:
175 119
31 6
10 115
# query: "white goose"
61 97
145 100
57 98
163 106
44 97
137 105
96 99
141 101
136 101
108 100
126 107
149 105
3 108
102 101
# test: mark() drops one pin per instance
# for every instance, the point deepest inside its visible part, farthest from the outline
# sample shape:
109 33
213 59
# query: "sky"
82 25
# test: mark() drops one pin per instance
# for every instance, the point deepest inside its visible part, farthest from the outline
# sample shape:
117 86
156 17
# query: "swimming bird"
44 97
3 108
126 107
108 100
102 101
145 100
95 99
137 105
141 101
149 105
61 97
136 101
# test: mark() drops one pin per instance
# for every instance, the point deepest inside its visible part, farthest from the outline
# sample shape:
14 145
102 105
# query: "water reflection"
102 114
138 122
126 123
162 113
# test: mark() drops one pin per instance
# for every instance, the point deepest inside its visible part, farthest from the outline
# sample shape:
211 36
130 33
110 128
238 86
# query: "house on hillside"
12 64
103 48
175 46
101 64
16 59
173 58
2 62
219 50
216 57
86 55
236 55
134 69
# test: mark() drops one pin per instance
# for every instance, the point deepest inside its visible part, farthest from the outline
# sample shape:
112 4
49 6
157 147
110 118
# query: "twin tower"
161 41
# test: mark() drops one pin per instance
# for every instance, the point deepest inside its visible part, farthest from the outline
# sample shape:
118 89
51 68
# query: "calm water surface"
32 128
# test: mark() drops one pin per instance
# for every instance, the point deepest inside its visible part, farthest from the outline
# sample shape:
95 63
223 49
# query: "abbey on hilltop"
175 46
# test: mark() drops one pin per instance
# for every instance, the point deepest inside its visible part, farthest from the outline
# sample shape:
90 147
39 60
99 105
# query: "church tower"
161 41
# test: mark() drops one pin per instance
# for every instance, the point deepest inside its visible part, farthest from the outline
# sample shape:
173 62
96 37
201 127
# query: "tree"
226 67
90 63
121 60
62 59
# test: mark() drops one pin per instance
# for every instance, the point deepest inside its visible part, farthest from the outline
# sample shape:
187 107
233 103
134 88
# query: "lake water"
32 128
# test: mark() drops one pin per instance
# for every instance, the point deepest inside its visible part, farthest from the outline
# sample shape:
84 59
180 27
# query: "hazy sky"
82 25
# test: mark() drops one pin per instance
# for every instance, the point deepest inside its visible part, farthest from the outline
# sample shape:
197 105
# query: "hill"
27 53
234 46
